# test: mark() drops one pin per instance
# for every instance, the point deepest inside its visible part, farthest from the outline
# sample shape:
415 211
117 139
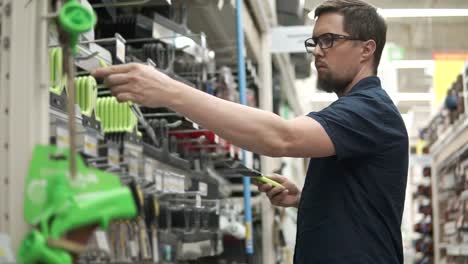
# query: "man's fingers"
278 198
278 178
121 68
116 79
265 187
126 97
123 88
273 192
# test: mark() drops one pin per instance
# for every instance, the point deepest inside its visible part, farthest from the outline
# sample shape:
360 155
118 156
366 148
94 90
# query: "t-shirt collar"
366 83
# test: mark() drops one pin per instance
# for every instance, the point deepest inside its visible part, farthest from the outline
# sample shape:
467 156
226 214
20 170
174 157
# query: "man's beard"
329 84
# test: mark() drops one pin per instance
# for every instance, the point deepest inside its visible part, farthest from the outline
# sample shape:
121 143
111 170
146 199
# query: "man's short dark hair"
361 21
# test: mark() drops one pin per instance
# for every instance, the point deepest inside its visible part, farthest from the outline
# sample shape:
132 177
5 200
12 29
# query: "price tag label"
198 200
6 252
231 151
249 162
453 250
158 178
133 166
149 168
102 241
91 144
155 246
203 188
464 250
133 249
218 207
120 47
178 182
63 137
113 157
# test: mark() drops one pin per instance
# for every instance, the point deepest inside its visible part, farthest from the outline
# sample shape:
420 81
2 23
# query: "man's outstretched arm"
253 129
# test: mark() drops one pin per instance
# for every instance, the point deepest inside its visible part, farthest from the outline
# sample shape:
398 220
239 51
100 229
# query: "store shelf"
455 250
449 135
85 51
93 62
447 153
421 159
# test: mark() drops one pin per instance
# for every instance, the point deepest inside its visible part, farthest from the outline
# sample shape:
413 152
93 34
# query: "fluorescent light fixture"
416 12
412 64
423 12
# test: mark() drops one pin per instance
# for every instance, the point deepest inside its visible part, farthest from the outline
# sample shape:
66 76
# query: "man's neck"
364 73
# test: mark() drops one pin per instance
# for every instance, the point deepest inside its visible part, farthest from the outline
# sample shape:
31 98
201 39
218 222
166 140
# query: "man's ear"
368 50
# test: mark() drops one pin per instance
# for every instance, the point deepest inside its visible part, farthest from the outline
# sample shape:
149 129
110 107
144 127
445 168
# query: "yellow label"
420 144
140 196
447 67
156 206
2 252
248 235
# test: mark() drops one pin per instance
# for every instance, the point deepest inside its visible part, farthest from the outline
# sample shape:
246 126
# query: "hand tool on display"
61 193
58 78
86 94
254 174
141 119
116 117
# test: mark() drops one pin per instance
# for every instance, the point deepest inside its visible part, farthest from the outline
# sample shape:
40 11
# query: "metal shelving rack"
24 78
447 151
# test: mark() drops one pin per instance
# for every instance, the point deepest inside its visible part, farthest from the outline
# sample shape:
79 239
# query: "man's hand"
279 196
138 83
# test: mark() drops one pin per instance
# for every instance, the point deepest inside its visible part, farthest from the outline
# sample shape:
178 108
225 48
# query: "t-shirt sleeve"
355 125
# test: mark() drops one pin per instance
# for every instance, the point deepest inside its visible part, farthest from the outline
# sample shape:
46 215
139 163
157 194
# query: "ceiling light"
421 12
424 12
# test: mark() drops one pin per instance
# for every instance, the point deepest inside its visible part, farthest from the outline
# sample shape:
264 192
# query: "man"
350 208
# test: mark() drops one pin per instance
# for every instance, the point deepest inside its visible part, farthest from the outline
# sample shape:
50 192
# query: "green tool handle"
34 249
86 94
267 180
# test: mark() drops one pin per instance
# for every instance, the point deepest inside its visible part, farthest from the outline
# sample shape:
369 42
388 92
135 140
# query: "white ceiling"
421 36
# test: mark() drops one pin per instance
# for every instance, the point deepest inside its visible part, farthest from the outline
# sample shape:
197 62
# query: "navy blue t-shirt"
352 203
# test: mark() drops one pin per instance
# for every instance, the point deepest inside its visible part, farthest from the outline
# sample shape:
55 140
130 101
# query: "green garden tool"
56 204
61 193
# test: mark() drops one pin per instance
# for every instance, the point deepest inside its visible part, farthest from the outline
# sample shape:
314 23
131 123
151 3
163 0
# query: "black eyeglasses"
325 41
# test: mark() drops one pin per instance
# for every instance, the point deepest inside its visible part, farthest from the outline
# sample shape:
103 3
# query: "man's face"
338 65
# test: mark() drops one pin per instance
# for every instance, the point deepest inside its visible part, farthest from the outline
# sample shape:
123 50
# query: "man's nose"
317 51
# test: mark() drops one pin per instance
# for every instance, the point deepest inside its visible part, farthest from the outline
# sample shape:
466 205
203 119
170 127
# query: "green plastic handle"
115 116
57 77
268 181
34 249
92 89
52 65
121 113
107 114
86 93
